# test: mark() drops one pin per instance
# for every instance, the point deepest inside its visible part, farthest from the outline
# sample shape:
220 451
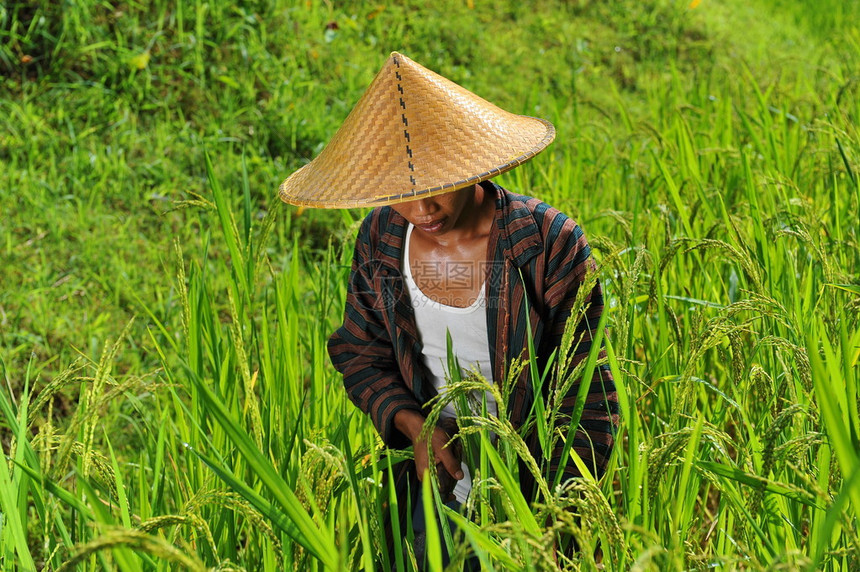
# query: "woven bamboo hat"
414 134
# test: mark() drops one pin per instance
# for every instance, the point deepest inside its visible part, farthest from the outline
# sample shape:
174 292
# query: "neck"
475 221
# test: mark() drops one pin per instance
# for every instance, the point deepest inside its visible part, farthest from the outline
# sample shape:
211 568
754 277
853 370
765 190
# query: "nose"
422 206
425 206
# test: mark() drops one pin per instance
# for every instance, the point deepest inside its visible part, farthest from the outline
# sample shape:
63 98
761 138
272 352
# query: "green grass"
168 400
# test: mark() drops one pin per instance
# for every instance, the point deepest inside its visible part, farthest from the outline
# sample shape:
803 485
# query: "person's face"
441 214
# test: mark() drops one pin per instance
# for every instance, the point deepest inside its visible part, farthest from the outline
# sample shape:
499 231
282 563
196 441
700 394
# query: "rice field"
167 400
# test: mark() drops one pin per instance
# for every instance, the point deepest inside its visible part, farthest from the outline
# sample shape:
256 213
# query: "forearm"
409 422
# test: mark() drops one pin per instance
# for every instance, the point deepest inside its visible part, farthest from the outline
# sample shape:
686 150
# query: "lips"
432 226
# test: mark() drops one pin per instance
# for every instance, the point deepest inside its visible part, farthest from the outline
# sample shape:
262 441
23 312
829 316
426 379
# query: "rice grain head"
134 540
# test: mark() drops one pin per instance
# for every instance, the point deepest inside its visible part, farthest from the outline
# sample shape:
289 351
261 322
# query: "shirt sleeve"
362 349
569 267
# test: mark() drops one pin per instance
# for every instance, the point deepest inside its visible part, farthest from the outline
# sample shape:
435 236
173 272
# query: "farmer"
448 252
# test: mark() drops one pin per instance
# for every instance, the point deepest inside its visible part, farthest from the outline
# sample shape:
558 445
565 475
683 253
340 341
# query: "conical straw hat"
414 134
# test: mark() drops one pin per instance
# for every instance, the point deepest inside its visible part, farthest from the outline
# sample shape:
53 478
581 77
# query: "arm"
363 351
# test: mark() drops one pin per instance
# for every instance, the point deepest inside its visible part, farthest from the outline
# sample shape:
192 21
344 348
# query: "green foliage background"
710 150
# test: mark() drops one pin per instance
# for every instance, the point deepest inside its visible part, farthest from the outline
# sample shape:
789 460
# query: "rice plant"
168 400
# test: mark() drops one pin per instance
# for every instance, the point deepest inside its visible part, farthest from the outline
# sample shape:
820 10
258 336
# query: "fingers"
450 463
444 454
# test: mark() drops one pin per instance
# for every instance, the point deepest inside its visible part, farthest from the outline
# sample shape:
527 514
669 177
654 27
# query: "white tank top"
468 328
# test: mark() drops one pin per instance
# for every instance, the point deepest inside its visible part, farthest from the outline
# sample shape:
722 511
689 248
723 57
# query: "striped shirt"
539 258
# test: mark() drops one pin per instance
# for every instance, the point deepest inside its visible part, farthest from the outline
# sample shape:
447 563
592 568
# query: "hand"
443 455
410 423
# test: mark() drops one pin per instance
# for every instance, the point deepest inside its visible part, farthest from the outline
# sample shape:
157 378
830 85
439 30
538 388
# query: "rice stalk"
565 376
227 566
609 250
51 555
275 208
672 247
324 466
768 444
762 388
793 451
86 417
235 502
580 504
182 289
56 385
738 360
665 451
569 340
135 540
198 202
643 257
652 558
797 356
479 503
751 269
512 376
251 407
101 467
714 330
90 418
190 520
475 424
